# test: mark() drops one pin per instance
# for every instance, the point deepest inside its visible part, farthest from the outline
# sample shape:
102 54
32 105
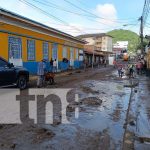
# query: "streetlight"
128 25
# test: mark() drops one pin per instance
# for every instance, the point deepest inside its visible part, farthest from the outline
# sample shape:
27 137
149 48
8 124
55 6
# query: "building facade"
119 46
101 41
100 44
25 42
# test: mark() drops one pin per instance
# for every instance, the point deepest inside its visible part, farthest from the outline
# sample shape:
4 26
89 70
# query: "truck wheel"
22 82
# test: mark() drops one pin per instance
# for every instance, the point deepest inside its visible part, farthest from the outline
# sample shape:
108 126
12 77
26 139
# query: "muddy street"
112 116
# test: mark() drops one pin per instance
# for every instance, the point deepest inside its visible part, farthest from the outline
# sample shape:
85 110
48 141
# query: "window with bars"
64 52
54 51
77 54
15 47
31 49
45 51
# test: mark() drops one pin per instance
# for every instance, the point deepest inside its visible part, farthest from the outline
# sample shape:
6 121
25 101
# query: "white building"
101 41
100 44
121 44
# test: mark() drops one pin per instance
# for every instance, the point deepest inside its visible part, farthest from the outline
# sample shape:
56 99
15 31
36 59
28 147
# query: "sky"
78 17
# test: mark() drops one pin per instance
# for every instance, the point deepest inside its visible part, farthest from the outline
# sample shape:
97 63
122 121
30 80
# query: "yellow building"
25 42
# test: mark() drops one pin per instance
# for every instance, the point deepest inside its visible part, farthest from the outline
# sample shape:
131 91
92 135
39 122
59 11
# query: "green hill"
126 35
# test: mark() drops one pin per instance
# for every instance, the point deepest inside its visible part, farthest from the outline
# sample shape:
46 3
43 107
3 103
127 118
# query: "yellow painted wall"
75 54
4 45
50 51
24 49
60 51
38 43
39 50
68 49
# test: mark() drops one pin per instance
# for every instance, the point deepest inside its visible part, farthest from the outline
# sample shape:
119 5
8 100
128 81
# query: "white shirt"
55 63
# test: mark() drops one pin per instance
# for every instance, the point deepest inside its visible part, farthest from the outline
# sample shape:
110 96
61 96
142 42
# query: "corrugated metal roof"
93 35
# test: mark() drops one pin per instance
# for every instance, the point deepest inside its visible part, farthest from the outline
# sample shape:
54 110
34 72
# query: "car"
13 76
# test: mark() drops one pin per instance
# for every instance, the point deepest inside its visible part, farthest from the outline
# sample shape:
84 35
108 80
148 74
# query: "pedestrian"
143 69
105 62
120 70
114 63
40 72
55 66
131 71
101 60
138 67
85 64
51 65
99 63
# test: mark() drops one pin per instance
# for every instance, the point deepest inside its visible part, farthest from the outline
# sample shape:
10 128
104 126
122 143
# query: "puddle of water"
96 126
111 114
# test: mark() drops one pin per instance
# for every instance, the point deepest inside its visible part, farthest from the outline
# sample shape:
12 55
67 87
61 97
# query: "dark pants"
120 73
139 71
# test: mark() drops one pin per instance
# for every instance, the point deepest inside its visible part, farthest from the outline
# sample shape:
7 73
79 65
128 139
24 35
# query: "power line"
60 20
90 18
48 14
88 12
145 12
50 4
126 19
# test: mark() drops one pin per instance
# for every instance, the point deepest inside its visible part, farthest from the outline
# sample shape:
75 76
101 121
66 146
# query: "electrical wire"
88 12
90 18
49 15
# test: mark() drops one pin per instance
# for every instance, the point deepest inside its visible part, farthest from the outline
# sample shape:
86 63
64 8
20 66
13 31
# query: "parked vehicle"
11 75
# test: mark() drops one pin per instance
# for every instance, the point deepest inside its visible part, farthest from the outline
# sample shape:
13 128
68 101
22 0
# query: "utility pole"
141 34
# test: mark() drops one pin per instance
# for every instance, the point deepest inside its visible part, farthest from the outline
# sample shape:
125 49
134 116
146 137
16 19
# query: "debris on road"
92 101
42 134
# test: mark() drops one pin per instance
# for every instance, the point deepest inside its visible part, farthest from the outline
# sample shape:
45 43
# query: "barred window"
31 49
15 47
77 54
64 52
54 51
45 51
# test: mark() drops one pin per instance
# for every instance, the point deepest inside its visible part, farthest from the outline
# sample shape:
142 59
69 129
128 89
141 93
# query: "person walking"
85 64
40 73
55 66
131 71
51 65
104 62
138 67
101 61
114 63
120 70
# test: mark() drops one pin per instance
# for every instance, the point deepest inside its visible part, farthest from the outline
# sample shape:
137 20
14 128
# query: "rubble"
89 90
144 139
42 134
92 101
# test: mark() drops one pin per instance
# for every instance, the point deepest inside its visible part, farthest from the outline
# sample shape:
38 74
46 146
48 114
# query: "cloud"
77 27
107 11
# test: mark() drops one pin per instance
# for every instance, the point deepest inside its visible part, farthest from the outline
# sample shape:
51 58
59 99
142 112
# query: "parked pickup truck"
12 76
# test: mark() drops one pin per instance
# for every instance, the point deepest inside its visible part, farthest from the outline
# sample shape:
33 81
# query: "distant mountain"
126 35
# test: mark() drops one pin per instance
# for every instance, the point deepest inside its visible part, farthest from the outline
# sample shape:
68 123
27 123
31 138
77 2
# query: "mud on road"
103 104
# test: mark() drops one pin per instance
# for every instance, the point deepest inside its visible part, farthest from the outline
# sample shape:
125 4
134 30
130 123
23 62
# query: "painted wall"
7 30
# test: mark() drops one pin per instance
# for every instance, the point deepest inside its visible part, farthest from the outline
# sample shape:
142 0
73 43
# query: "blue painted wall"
32 66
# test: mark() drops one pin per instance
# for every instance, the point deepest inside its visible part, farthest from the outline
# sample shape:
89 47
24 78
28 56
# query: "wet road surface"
104 102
